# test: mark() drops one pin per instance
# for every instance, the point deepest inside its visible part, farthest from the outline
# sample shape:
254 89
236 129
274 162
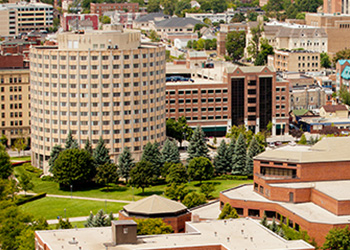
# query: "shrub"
228 212
25 200
47 178
28 167
231 177
194 199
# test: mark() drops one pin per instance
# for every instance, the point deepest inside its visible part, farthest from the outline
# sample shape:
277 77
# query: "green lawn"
20 158
50 207
120 192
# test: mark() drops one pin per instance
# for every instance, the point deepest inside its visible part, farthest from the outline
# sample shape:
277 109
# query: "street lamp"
71 190
105 206
65 216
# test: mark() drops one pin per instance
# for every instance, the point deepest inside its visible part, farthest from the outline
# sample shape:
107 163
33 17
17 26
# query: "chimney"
124 232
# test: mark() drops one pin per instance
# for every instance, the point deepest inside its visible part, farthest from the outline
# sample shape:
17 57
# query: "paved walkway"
80 198
75 219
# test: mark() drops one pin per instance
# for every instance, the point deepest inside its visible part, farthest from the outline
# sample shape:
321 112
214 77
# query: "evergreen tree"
302 140
152 154
56 150
274 226
89 221
71 142
88 146
125 164
264 221
240 156
197 147
6 167
64 224
253 150
170 152
220 160
100 219
230 153
101 153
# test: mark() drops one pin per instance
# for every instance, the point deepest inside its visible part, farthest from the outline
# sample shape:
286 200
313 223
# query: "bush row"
24 200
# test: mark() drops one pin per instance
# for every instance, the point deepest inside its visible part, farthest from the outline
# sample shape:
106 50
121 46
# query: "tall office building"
97 83
23 17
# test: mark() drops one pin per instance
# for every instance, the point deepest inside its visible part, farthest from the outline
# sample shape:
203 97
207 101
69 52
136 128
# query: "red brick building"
67 17
245 95
171 212
100 8
307 185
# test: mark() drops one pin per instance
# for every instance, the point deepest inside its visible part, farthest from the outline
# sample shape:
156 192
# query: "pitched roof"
155 205
346 73
149 17
250 69
299 112
341 62
177 22
334 108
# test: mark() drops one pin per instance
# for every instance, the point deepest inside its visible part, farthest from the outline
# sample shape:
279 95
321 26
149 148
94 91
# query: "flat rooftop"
234 234
308 210
338 190
329 149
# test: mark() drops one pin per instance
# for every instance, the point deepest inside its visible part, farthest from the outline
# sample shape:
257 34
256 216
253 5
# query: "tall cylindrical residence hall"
97 83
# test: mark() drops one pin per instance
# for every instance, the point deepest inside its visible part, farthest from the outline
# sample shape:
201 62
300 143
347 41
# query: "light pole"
65 216
71 191
106 206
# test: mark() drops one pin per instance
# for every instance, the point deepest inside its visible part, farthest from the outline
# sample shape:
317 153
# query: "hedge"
25 200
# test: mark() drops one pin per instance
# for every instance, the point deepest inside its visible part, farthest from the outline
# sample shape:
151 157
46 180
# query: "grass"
120 192
78 224
20 158
50 207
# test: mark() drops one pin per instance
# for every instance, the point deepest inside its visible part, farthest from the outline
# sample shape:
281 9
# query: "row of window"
189 92
196 109
209 100
12 97
194 118
96 67
12 114
11 80
103 76
103 57
104 85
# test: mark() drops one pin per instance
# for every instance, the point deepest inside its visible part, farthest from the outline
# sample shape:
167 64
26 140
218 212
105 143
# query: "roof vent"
73 241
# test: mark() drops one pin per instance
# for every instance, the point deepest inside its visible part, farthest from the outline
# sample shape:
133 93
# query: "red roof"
334 108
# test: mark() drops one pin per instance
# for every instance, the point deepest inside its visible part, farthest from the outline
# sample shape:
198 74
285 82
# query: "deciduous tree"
73 167
194 199
337 239
207 189
228 212
152 226
200 168
177 174
142 175
106 174
25 182
235 44
176 191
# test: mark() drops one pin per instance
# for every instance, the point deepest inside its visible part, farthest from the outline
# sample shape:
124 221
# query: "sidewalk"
75 219
79 198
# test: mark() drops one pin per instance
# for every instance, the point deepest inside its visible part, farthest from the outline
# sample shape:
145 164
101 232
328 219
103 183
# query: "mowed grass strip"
50 207
122 192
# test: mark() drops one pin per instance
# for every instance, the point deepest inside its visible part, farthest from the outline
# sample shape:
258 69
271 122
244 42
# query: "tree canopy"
5 164
200 168
142 175
179 129
152 226
228 212
74 167
177 173
194 199
235 44
125 164
170 152
101 153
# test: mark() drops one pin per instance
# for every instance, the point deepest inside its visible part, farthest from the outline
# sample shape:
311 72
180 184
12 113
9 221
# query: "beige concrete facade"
307 98
296 61
94 91
337 28
14 103
23 17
